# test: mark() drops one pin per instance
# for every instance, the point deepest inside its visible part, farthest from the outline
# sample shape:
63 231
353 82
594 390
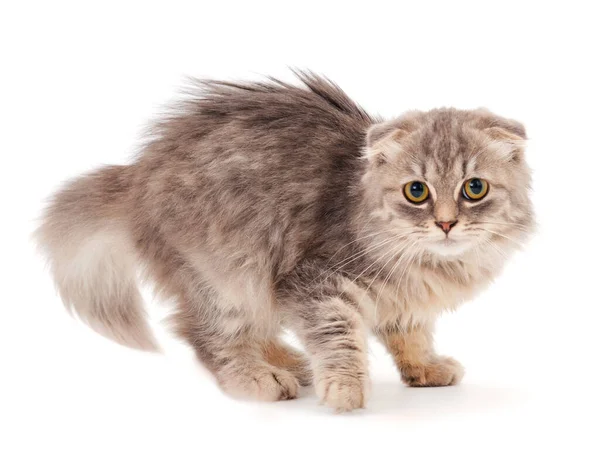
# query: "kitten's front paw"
440 371
342 393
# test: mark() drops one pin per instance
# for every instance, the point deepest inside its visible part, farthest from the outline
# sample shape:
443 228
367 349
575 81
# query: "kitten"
265 205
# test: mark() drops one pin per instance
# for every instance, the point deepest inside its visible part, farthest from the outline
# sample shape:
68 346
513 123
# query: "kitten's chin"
449 248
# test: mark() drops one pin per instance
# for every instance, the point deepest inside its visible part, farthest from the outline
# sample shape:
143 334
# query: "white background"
78 84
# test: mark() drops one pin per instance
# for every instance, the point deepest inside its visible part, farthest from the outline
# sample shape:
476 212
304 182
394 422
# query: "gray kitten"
265 205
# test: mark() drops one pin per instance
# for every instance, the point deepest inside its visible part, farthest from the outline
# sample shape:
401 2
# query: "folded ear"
510 128
384 140
378 131
508 136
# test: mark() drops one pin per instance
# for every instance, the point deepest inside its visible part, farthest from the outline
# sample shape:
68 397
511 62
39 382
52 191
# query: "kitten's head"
449 180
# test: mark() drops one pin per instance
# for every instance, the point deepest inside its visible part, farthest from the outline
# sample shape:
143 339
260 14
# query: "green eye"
475 189
416 192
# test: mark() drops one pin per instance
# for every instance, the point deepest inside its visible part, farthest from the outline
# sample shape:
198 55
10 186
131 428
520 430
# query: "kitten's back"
266 165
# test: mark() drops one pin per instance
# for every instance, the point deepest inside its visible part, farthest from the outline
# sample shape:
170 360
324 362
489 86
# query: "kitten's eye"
475 189
416 192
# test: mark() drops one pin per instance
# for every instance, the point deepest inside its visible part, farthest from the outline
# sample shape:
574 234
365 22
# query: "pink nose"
446 226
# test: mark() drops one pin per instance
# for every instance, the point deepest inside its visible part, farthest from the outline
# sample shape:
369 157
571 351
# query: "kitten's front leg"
416 359
334 335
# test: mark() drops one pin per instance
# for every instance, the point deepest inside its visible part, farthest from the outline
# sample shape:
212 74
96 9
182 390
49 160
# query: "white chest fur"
419 295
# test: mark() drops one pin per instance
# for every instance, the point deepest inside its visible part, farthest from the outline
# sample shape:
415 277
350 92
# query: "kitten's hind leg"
243 372
227 341
286 357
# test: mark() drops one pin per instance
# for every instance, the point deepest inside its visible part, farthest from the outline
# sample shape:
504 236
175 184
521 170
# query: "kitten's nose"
446 226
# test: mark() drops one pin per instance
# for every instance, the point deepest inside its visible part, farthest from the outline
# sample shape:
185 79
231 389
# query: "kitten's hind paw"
302 372
261 383
439 371
285 357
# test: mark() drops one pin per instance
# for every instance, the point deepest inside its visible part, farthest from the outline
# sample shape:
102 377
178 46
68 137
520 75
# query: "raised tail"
85 235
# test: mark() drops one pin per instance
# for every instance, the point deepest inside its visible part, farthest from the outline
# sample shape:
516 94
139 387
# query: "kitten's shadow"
393 398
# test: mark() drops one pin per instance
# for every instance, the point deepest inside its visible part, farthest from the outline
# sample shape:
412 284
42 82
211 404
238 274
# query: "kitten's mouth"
447 242
449 246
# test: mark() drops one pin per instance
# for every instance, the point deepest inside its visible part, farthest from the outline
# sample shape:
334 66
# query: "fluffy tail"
86 237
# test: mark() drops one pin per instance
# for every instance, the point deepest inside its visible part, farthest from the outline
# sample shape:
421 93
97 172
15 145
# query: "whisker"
477 256
387 278
339 265
399 262
505 236
393 252
504 223
406 268
354 241
496 248
517 226
407 229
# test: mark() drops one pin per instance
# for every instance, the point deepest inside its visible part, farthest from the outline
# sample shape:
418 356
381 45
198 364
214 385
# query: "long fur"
92 256
258 206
